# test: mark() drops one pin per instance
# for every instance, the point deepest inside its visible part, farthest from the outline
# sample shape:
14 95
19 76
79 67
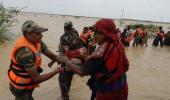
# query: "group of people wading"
140 37
97 52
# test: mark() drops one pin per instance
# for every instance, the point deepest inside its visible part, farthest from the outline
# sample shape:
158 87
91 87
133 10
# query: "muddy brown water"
148 75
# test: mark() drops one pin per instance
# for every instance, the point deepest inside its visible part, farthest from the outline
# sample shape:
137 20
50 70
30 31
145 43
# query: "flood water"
148 75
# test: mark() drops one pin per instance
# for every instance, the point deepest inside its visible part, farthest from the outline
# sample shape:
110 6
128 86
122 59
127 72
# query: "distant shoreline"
158 22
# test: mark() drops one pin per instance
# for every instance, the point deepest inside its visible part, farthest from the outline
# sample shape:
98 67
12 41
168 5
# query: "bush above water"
6 20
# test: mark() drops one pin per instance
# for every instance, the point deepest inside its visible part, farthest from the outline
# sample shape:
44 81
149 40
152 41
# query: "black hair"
160 27
91 28
128 28
85 28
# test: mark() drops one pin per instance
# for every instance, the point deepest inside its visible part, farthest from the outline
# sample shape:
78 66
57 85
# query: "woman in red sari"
108 64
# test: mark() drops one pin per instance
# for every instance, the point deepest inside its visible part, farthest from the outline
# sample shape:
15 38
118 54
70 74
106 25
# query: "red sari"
115 95
116 64
118 59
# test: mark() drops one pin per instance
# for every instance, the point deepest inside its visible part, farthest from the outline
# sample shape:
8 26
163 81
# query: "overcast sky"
153 10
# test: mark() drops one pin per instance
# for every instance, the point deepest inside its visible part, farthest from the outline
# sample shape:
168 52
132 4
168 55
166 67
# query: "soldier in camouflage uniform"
24 71
69 41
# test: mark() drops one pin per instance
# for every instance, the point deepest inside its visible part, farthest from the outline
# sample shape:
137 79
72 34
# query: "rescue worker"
128 36
69 43
88 38
92 43
83 36
145 37
123 37
108 64
137 36
25 68
159 37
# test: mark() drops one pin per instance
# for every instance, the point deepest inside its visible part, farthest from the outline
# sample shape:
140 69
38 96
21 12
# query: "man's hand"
50 64
60 69
56 58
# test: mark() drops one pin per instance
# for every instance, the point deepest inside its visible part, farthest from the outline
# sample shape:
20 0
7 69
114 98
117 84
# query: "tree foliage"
150 27
6 20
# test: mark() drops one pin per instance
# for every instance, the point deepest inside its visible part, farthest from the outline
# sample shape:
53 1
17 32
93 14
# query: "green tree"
150 27
6 20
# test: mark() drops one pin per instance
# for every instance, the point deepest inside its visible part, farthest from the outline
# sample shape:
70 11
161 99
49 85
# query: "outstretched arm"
25 57
52 56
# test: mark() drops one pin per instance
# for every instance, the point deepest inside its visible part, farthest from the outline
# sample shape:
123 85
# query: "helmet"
68 24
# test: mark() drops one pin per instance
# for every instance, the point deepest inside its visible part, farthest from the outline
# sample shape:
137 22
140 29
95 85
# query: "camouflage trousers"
21 94
65 79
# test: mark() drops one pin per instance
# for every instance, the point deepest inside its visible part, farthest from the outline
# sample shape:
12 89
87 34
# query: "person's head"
125 30
32 31
68 25
160 27
91 28
118 30
128 27
85 30
105 30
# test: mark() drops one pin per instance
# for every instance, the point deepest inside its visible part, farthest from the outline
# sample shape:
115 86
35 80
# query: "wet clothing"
120 94
71 40
108 67
167 39
159 38
21 94
91 84
123 37
65 82
128 33
137 39
23 57
108 64
89 40
126 37
145 38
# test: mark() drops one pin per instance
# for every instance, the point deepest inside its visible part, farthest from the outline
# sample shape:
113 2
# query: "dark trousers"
136 41
21 94
126 44
92 85
65 79
157 40
161 41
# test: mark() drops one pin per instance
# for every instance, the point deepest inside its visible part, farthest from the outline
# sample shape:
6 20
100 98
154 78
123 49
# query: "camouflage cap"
31 26
68 24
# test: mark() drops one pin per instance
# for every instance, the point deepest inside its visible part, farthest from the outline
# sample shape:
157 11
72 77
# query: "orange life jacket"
86 36
83 37
17 74
160 34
